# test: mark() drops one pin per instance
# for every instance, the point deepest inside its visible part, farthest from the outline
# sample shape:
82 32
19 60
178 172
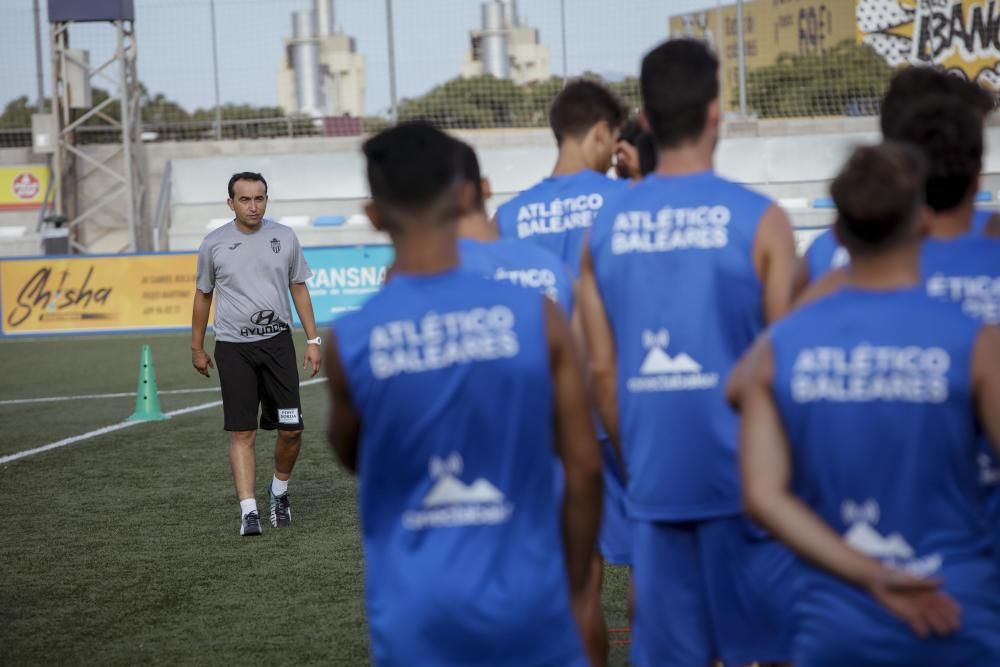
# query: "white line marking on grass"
119 426
81 397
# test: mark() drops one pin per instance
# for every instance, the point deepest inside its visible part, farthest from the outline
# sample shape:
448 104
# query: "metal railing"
162 217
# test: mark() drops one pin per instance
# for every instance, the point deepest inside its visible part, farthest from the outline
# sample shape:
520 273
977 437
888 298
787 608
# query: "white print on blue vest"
441 340
661 372
451 503
868 373
702 227
559 215
979 295
543 280
893 549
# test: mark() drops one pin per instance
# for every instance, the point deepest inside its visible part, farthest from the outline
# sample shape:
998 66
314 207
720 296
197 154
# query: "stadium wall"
791 160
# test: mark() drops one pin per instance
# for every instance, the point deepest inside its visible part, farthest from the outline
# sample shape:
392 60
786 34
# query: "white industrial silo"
305 61
494 45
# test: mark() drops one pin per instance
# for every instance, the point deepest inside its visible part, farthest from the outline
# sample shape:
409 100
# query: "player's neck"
477 227
954 222
898 268
248 229
689 158
426 251
572 159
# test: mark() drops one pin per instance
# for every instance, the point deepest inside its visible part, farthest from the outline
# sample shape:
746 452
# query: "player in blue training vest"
860 423
556 213
483 252
681 274
533 266
958 263
467 561
909 88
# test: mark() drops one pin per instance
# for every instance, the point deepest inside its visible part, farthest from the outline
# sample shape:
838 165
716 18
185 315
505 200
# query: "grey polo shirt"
250 274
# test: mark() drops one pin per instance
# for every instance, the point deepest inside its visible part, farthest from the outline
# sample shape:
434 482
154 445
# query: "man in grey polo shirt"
252 264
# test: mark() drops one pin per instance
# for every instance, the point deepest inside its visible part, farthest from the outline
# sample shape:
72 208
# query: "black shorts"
260 376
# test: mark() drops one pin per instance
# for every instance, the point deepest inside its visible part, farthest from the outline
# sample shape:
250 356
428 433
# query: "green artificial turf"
123 548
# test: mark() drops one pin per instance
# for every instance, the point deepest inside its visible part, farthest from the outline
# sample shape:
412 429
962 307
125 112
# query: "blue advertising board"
344 278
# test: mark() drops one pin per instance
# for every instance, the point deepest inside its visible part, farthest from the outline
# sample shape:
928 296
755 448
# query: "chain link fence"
228 69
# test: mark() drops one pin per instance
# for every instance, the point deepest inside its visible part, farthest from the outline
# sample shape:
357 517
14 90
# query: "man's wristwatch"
314 341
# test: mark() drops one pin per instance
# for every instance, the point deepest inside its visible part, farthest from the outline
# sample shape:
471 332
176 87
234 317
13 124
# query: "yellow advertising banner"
770 28
23 187
87 294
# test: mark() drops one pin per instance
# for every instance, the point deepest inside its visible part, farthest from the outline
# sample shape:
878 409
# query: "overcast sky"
175 45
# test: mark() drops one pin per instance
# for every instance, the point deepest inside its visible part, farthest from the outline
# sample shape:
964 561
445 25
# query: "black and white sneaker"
281 513
251 525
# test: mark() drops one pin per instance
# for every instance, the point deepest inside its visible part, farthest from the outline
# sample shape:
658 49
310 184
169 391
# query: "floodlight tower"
123 169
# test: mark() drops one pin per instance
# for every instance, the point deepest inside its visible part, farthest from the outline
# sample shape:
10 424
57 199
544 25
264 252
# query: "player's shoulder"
219 234
278 230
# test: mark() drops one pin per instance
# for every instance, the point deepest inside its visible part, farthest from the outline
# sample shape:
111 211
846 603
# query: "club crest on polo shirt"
275 246
453 503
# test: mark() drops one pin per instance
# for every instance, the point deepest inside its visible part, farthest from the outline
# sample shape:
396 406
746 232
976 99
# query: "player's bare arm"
344 427
765 459
303 306
775 260
600 345
577 447
800 277
986 382
743 372
199 323
993 226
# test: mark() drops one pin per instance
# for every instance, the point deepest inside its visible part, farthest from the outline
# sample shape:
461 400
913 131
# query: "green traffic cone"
147 403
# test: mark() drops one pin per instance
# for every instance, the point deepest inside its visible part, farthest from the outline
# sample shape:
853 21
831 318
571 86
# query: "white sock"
279 487
248 505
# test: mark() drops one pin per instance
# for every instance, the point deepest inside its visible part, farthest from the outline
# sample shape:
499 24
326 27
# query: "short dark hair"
950 136
470 170
679 79
910 85
582 104
878 193
410 168
633 133
245 176
646 146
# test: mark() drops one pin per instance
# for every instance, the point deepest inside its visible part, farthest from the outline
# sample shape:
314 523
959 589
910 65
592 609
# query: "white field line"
83 397
117 427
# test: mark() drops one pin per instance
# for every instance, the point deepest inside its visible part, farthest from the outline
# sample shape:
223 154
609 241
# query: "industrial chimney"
305 60
510 14
494 45
325 25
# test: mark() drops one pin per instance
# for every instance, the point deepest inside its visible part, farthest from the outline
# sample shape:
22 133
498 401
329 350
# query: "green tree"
17 114
848 79
482 101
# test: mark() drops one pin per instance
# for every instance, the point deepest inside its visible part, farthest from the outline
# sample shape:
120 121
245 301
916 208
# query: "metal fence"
264 68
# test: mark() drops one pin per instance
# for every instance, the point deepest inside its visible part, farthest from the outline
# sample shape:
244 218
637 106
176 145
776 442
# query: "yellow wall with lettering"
770 28
77 294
